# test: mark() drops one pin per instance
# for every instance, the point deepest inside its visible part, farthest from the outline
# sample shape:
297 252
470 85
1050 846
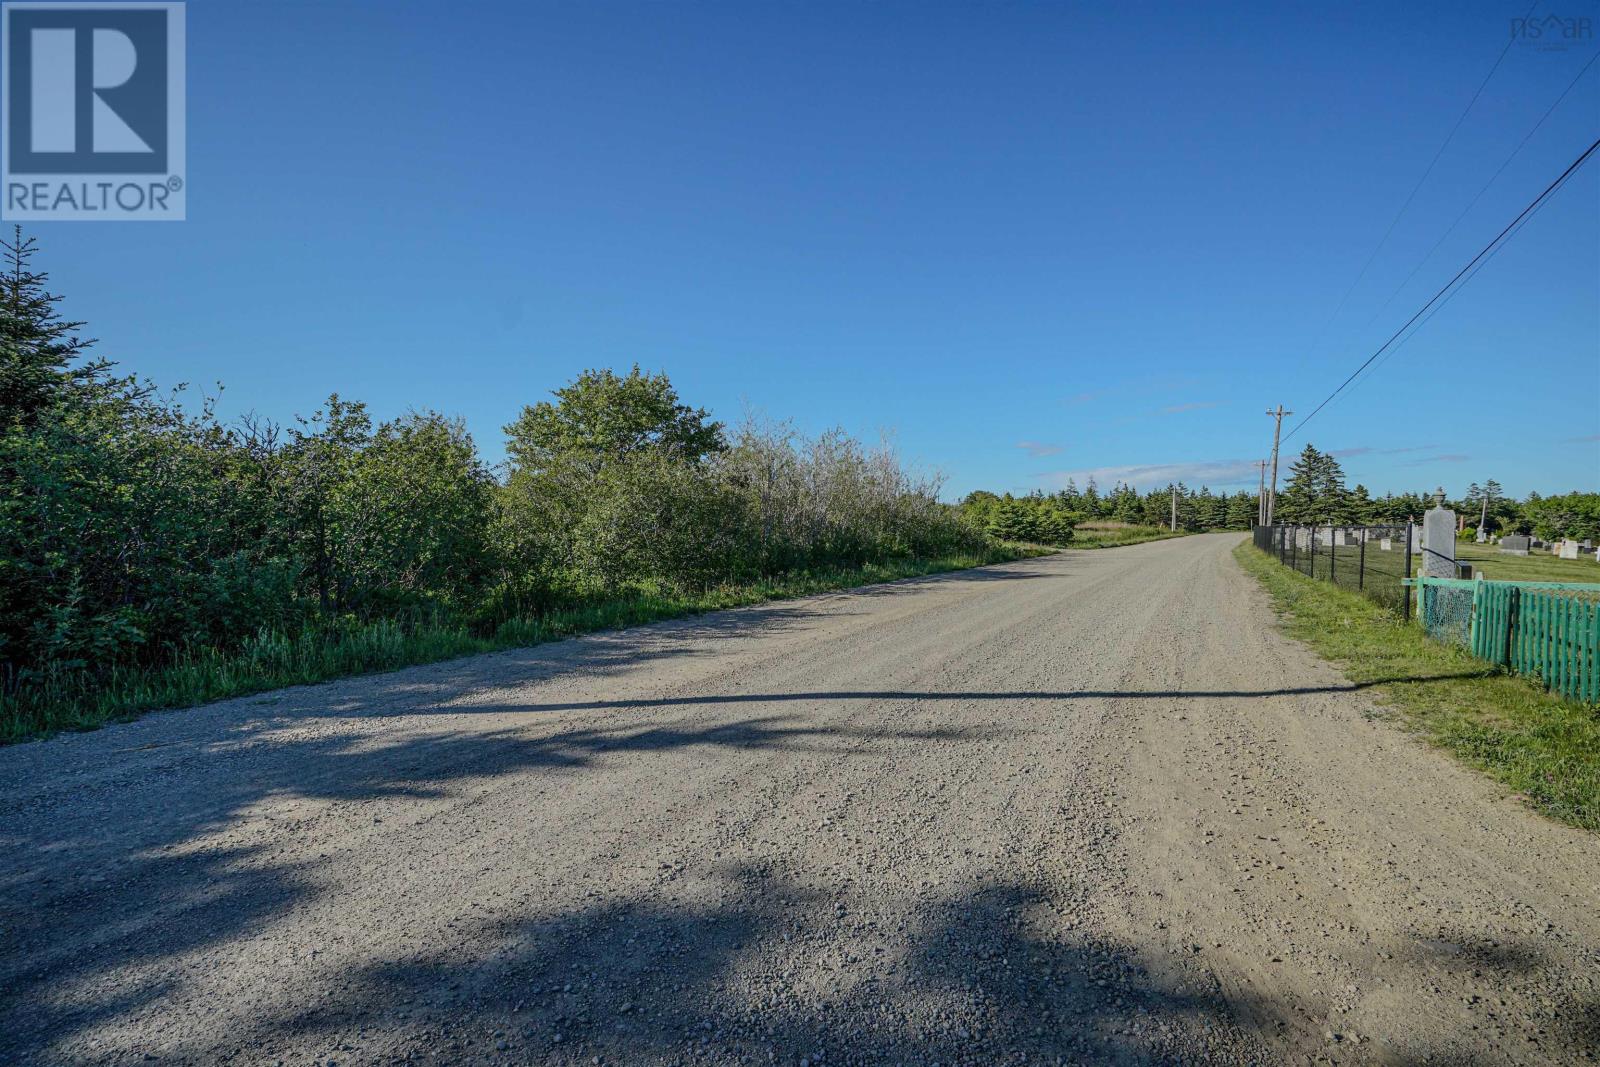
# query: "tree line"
135 529
1053 517
1316 493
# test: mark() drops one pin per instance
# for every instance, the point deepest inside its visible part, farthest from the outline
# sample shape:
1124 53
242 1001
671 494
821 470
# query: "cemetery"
1535 611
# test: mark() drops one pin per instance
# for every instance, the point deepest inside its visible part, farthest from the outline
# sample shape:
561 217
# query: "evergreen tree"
1242 510
41 356
1483 499
1333 503
1298 501
1126 505
1315 491
1360 505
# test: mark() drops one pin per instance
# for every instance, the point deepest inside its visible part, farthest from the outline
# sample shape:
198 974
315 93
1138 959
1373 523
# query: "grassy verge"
274 660
1546 748
1116 535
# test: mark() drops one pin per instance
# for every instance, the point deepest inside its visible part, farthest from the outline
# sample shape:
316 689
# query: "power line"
1492 179
1315 344
1464 212
1464 283
1518 227
1487 250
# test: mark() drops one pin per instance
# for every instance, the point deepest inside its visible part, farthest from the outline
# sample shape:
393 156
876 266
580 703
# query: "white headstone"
1569 550
1439 543
1385 544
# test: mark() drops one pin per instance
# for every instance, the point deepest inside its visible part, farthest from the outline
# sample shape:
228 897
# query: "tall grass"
1108 534
270 660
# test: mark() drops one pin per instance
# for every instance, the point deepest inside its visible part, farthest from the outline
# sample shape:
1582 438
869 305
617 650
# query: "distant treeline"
137 532
1033 516
1315 492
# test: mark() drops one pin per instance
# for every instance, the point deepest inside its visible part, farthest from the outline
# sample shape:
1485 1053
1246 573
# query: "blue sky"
1032 241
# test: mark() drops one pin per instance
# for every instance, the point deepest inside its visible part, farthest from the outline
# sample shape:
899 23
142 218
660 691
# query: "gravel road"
1087 808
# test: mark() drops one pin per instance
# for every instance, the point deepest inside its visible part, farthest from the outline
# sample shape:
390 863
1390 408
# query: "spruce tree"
1361 505
40 354
1332 499
1297 503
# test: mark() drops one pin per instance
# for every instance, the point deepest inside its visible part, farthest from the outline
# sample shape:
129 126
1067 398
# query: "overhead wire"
1322 333
1487 250
1485 188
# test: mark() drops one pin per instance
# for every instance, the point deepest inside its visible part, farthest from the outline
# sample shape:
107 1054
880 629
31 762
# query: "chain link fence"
1372 560
1549 631
1445 609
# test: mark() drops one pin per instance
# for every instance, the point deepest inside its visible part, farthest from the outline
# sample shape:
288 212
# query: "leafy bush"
139 541
1574 515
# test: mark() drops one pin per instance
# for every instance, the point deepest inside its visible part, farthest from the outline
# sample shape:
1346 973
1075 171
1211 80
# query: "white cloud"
1154 475
1038 449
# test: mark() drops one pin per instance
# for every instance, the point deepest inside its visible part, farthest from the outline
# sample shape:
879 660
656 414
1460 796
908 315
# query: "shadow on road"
825 696
737 960
755 971
91 909
636 980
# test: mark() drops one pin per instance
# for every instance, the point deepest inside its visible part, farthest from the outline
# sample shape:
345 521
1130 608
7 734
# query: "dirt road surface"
1088 808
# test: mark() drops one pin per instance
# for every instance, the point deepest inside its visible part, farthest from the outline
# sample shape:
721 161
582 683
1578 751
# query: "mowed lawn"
1539 566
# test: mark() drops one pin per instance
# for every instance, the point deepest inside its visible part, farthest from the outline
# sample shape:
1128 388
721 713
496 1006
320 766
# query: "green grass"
1343 564
1538 567
1117 535
274 660
1545 748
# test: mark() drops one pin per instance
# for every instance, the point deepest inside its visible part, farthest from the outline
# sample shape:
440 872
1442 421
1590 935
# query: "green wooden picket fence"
1545 630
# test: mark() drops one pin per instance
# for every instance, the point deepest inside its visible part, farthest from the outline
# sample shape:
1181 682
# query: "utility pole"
1277 431
1174 509
1261 493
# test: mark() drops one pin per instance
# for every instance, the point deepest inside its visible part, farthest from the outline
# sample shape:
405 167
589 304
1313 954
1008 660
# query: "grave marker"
1514 545
1439 541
